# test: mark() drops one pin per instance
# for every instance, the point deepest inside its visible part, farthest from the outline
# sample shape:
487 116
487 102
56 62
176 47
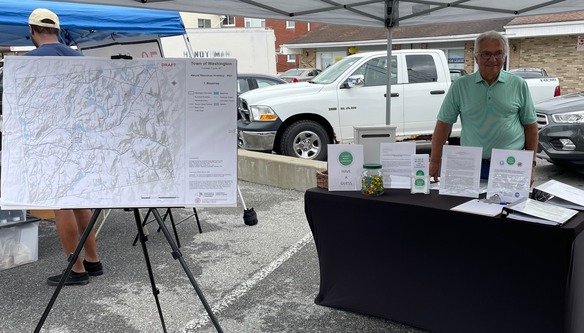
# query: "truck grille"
542 120
243 110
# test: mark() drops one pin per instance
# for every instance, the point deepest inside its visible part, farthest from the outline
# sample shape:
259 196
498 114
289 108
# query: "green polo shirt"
490 116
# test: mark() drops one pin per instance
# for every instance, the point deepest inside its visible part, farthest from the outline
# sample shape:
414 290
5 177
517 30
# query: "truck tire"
305 139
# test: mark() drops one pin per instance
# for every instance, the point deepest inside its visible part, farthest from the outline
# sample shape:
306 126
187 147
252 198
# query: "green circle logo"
420 173
346 158
419 182
511 160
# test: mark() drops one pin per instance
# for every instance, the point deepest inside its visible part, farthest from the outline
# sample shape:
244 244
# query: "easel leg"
169 214
176 254
155 290
65 275
143 225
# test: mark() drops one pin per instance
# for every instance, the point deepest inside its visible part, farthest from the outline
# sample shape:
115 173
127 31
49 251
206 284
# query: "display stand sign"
510 174
420 177
345 165
460 171
88 132
396 162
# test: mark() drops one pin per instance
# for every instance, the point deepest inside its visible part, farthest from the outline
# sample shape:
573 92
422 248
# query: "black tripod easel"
176 254
168 214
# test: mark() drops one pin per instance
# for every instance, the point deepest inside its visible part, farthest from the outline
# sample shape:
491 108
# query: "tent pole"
189 46
391 11
388 92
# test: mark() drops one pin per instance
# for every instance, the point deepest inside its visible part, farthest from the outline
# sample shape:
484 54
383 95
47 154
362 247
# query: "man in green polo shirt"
495 107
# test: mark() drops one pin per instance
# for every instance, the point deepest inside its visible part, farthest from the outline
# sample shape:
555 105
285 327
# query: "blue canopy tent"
82 23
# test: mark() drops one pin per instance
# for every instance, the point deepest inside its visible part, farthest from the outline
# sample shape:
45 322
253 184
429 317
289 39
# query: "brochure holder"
371 137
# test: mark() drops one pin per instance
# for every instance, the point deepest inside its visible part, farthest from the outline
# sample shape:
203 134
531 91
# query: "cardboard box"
43 214
18 244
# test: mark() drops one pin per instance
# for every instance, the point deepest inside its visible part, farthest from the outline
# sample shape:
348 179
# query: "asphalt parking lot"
260 278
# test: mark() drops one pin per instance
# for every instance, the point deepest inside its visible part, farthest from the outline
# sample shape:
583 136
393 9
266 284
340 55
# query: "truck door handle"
392 95
437 92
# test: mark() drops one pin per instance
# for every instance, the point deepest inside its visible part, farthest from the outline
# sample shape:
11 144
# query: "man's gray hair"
491 35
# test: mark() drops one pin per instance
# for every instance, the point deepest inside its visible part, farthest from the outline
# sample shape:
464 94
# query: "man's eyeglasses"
486 55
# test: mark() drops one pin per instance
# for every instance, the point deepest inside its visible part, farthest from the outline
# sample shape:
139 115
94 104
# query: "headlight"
576 117
262 113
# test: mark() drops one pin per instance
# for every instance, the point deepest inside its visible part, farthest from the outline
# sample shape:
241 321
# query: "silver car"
299 74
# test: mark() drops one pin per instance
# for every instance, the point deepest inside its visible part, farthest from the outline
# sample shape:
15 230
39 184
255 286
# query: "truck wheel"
305 139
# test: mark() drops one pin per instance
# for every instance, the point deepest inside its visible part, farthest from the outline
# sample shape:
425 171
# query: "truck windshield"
335 70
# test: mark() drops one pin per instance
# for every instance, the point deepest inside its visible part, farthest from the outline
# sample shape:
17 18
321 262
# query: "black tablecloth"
408 258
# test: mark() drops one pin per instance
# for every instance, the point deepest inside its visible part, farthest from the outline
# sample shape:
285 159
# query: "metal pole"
189 46
391 8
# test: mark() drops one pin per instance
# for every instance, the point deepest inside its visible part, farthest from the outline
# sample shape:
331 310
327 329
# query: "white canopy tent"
372 13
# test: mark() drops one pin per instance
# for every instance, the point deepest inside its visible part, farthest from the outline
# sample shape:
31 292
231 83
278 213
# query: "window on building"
291 58
455 58
203 23
228 21
290 24
255 23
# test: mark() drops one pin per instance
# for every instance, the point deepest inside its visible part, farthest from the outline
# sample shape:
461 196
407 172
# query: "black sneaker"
72 279
93 268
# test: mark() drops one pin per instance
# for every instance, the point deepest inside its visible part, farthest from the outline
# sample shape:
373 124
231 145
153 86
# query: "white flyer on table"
345 165
460 171
510 174
396 163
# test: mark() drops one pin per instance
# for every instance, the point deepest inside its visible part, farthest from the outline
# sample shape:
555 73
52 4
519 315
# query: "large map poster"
89 132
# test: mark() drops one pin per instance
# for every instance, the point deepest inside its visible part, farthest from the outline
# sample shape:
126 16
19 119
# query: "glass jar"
372 179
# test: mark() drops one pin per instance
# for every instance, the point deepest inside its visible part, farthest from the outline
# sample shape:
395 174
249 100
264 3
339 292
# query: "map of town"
93 132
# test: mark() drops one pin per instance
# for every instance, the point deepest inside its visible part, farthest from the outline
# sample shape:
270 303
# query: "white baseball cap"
44 18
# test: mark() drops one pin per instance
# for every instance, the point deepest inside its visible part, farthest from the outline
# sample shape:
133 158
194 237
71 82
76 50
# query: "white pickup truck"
301 119
541 86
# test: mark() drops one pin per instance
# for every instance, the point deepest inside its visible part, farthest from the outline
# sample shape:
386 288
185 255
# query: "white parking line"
247 285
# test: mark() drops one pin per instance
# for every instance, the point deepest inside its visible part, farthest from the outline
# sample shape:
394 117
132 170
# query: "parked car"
455 73
299 74
250 81
561 124
529 72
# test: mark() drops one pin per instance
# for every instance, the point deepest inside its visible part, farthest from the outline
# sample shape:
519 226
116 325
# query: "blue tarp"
82 23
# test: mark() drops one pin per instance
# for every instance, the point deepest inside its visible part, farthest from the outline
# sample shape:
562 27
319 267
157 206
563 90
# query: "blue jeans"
485 165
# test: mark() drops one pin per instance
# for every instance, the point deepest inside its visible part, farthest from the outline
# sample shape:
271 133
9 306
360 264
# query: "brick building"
548 41
285 31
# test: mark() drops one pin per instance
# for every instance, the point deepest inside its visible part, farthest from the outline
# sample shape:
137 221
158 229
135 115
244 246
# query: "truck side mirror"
355 80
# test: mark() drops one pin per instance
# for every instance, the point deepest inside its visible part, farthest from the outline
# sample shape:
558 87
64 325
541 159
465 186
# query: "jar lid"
371 166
